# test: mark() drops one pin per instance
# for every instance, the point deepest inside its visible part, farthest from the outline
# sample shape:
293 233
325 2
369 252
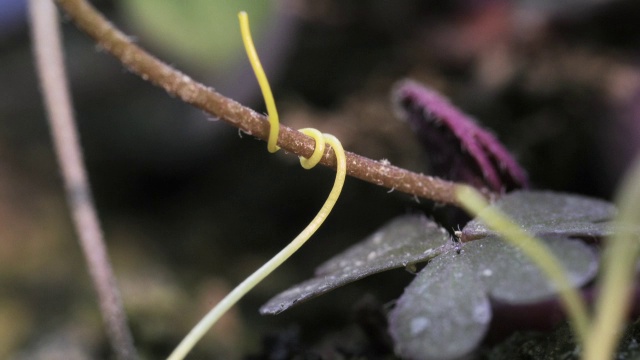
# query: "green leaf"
200 33
403 242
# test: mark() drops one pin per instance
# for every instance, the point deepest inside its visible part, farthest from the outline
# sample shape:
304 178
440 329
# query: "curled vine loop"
341 171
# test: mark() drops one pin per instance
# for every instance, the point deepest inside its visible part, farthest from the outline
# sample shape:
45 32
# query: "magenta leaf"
458 148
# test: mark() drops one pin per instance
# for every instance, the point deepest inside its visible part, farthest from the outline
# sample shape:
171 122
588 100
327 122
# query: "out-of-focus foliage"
201 33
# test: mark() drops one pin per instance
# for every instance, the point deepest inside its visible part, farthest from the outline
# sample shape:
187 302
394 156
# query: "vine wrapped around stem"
177 84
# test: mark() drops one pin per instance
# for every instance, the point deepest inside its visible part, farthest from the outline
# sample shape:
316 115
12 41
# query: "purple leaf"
403 242
548 213
459 149
447 309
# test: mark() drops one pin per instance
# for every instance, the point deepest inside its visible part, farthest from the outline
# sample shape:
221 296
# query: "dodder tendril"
341 170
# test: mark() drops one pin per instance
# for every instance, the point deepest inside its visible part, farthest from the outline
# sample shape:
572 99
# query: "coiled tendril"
321 140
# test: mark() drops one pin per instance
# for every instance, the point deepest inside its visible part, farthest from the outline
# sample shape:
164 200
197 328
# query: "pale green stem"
249 283
341 171
618 274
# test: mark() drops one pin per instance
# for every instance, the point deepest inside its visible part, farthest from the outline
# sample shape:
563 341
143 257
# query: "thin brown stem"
177 84
50 65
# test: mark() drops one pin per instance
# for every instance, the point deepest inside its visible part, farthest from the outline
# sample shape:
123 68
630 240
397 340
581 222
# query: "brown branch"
55 90
177 84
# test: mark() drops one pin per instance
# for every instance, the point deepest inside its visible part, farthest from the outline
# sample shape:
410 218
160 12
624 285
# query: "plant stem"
267 268
616 281
53 79
177 84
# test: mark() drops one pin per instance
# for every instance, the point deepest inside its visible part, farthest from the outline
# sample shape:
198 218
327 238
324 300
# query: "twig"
50 65
177 84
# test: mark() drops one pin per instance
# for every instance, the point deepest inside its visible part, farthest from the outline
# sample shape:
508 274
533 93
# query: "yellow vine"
254 279
252 54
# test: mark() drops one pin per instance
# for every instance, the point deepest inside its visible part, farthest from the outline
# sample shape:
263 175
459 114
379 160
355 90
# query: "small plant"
446 311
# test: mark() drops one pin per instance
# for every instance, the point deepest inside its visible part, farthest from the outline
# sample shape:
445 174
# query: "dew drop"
481 314
419 325
377 238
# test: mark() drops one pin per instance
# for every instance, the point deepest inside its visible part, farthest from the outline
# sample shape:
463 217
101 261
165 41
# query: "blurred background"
190 206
